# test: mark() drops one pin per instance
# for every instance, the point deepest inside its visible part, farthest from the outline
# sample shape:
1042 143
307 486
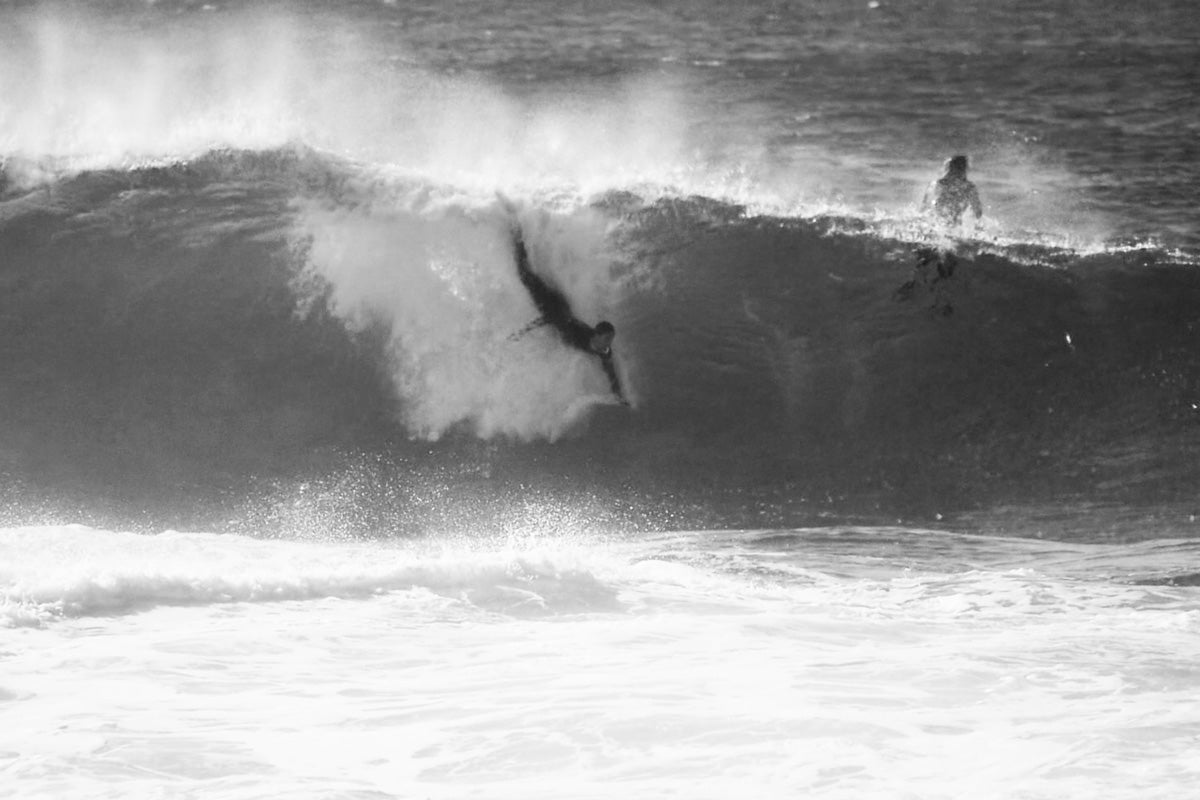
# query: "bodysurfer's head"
956 166
602 338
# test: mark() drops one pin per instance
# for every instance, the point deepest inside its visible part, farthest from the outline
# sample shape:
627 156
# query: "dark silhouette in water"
556 311
952 194
948 198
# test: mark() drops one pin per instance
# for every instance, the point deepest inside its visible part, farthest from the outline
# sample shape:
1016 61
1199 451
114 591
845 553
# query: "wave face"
282 338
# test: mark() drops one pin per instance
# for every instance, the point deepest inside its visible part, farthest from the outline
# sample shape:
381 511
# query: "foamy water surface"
716 665
257 280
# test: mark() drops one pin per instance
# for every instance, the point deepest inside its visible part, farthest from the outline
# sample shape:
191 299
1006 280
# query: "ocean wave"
55 573
216 325
73 571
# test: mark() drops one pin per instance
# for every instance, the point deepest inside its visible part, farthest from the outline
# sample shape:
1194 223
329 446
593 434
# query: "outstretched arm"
532 282
532 326
976 206
521 255
549 301
614 382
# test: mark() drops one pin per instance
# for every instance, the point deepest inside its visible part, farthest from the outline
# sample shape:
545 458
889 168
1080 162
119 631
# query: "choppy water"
255 282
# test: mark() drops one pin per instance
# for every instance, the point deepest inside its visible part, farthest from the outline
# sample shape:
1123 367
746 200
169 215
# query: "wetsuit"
951 195
556 311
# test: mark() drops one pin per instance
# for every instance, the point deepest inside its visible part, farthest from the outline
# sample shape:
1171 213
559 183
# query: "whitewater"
290 507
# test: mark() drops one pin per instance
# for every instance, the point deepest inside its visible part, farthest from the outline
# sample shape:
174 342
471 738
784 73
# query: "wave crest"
212 324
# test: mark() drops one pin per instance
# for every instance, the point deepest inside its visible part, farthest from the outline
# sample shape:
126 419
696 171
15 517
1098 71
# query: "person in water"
556 311
952 194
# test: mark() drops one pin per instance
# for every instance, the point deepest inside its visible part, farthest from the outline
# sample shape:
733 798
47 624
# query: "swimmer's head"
956 165
602 338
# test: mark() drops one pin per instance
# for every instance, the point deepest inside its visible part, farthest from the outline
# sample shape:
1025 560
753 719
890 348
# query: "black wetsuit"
556 311
950 196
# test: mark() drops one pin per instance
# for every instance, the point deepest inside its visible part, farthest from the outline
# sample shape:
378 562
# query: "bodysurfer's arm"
976 205
614 382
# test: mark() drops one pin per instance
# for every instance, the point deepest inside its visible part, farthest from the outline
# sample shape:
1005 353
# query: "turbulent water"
895 510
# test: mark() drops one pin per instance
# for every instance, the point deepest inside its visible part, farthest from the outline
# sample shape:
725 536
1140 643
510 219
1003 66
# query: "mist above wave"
88 91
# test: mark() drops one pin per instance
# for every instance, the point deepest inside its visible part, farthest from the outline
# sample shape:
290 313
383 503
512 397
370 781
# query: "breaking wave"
294 325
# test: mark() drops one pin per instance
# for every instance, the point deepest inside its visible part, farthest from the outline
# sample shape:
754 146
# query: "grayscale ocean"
288 508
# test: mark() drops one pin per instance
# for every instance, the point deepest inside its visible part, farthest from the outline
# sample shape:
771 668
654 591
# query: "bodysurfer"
952 194
948 198
556 311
